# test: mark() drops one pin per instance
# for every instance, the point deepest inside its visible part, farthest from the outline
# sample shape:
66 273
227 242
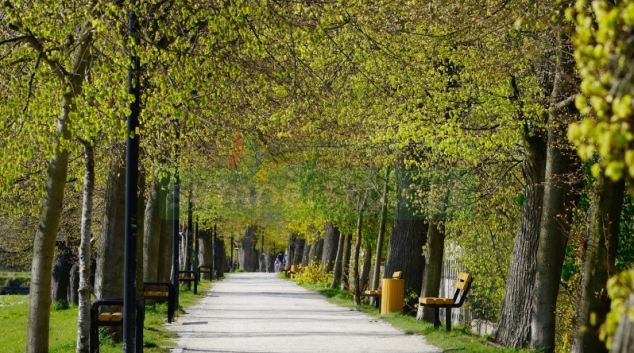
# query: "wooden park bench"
108 312
162 291
377 294
292 271
189 276
206 269
462 285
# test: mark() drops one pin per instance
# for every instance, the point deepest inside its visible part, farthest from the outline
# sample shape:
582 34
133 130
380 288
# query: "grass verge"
15 275
63 325
458 340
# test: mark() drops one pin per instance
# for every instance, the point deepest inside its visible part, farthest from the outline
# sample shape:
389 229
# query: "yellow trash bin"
392 296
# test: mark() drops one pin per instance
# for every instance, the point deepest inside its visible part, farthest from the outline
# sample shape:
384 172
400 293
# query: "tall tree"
381 237
357 248
345 262
152 233
71 78
338 263
513 328
166 243
598 264
409 234
83 308
562 187
331 246
110 259
434 251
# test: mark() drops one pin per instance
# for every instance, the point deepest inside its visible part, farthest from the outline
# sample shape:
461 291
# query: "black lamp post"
131 176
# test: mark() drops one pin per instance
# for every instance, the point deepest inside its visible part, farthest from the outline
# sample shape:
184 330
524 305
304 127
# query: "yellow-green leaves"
606 102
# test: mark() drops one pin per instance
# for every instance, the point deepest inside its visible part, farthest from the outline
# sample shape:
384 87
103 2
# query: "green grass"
12 275
63 325
458 340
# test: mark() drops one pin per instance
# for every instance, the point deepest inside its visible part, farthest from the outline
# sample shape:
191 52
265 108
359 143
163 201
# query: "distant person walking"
279 261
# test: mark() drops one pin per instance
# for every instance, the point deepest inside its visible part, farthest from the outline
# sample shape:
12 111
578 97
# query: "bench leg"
436 317
448 319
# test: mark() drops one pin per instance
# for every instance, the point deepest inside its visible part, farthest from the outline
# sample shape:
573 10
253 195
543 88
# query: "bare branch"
11 40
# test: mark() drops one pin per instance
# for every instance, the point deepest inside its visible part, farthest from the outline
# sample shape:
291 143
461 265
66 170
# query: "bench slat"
104 316
373 292
156 294
465 276
461 285
116 317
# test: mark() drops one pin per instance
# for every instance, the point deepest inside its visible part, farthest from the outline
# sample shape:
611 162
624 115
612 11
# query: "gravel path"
258 312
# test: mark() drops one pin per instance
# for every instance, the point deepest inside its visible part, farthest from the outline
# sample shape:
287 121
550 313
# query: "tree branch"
11 40
564 103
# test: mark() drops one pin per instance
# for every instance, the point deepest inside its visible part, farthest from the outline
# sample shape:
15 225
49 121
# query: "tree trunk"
306 253
73 288
560 197
367 265
316 248
166 243
598 257
381 237
189 237
433 267
345 263
205 250
376 275
291 250
331 246
513 328
61 273
300 245
247 256
85 265
222 258
338 268
152 234
93 274
357 250
624 337
182 249
140 235
409 234
110 261
37 336
270 263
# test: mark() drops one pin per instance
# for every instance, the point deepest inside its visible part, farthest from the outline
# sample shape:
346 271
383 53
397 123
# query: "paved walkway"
258 312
